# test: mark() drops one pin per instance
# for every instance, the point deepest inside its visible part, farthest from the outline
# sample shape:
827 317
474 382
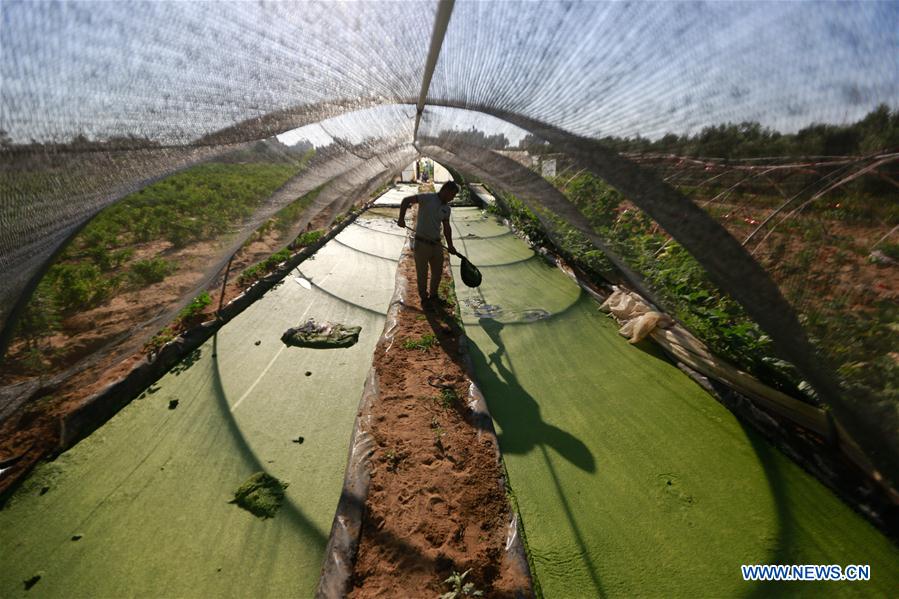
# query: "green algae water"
261 495
631 481
147 495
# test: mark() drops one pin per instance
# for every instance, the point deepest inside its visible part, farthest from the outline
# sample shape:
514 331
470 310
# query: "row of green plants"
191 315
678 281
72 285
259 270
282 221
197 204
287 217
194 312
858 340
255 272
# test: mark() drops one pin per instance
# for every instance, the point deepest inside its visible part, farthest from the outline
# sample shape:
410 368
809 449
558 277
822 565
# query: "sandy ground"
436 503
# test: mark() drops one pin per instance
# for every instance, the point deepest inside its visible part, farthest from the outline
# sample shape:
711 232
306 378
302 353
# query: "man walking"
433 210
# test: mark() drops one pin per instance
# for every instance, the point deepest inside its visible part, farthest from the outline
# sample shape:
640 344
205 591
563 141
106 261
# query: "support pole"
224 283
444 11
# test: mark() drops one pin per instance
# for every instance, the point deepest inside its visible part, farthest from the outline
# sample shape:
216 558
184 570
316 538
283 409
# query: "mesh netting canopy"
100 99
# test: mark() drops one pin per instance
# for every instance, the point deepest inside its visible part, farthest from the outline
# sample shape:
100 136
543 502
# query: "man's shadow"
516 412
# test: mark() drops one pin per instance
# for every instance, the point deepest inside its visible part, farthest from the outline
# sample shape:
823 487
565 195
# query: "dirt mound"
436 503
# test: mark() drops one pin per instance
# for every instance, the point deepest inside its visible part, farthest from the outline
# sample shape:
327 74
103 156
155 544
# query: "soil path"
437 503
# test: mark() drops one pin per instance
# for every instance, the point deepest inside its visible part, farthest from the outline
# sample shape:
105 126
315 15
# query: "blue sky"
176 71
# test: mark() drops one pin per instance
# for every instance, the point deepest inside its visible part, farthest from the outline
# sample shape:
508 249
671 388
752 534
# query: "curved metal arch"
532 189
729 266
297 185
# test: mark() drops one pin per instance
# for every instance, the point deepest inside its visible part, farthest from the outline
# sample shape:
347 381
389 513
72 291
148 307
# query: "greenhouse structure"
449 299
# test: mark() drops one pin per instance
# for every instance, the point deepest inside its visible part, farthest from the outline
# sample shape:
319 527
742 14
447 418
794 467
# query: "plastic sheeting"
167 84
251 71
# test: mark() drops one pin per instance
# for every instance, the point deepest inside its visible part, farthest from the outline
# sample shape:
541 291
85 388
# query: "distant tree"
534 144
669 142
877 131
80 141
478 138
301 147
